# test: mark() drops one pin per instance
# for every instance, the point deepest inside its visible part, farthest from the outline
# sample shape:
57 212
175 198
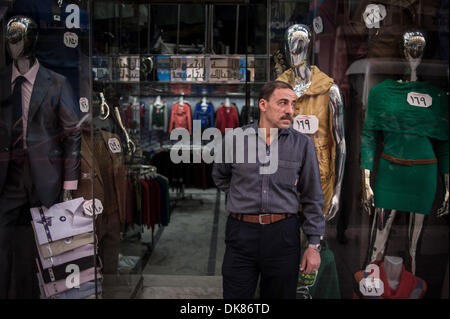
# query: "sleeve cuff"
70 185
314 239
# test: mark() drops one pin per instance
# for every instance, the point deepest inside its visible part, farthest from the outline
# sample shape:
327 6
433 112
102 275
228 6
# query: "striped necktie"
17 131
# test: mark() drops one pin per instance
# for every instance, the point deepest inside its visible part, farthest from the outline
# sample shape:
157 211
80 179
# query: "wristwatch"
316 247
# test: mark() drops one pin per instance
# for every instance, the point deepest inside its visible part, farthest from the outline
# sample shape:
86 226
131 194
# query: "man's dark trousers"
17 246
271 250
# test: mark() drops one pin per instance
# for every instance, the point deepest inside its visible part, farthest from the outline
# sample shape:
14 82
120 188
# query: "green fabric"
158 115
405 188
326 284
389 111
408 132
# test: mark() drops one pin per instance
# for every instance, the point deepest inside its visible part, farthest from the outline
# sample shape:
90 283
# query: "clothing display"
159 116
147 200
77 253
57 287
83 292
49 118
59 229
227 117
315 102
205 114
409 286
60 221
62 45
196 175
181 117
410 134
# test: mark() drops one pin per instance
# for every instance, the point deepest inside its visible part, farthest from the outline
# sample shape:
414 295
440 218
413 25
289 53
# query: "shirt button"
265 191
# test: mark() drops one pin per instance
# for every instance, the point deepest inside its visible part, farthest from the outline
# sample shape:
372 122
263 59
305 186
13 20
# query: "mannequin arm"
367 192
337 109
443 211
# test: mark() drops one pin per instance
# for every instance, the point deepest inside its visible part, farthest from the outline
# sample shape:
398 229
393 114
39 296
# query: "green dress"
408 132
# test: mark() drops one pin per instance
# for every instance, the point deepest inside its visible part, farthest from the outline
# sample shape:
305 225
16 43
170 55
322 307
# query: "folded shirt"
77 253
60 221
61 286
59 272
64 245
86 291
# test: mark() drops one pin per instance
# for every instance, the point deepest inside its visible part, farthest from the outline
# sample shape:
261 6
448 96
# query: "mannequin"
416 150
319 99
393 269
40 149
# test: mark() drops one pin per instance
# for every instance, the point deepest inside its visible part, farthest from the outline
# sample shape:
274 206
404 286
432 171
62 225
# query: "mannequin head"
21 37
297 40
414 43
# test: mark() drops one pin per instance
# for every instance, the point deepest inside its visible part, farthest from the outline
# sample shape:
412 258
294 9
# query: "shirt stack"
65 243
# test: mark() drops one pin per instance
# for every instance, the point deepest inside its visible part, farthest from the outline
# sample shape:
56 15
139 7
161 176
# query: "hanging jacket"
227 117
315 102
205 114
110 181
181 117
159 116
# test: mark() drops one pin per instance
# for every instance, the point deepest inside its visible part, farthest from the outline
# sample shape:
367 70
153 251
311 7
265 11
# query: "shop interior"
143 68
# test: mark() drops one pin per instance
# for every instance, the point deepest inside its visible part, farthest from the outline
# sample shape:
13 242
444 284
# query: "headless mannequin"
297 40
413 48
393 269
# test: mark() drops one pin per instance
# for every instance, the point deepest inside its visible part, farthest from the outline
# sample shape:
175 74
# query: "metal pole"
91 113
236 37
178 28
269 17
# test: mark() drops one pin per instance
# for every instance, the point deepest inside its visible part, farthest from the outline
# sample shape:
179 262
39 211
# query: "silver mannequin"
21 37
297 41
414 43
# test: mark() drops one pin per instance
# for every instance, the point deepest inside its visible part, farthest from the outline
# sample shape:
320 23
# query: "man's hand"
310 261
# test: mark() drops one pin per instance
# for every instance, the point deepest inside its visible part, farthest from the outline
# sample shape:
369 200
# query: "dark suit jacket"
53 139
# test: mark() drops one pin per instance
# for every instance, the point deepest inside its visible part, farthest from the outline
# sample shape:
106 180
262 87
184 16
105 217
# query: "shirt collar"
30 75
282 131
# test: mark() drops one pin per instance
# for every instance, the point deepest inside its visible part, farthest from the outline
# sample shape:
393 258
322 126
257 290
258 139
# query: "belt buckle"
260 221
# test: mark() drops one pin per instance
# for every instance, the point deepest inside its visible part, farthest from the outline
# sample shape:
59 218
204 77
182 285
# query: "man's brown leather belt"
262 218
402 161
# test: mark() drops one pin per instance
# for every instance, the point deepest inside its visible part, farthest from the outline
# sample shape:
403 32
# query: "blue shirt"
295 182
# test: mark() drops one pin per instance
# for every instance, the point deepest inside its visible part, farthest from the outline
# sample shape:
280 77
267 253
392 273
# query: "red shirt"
227 117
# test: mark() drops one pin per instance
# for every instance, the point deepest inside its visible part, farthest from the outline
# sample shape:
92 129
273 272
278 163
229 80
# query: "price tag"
373 15
88 207
70 40
318 25
114 145
371 287
84 105
419 99
306 124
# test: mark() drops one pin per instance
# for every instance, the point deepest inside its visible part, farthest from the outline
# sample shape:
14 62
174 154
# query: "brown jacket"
116 169
315 101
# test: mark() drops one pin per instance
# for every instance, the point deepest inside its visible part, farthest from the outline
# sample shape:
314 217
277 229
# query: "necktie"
17 132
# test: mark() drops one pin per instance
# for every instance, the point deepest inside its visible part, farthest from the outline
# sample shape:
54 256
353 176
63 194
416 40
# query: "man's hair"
269 87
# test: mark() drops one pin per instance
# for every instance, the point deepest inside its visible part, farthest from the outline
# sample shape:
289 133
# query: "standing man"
262 234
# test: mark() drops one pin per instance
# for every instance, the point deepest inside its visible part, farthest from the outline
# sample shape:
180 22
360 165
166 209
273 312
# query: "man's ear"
262 105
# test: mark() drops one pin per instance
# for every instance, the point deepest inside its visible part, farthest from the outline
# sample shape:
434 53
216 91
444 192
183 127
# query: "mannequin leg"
383 219
414 230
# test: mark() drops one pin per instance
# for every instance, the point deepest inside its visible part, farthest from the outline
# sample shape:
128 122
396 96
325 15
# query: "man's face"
279 109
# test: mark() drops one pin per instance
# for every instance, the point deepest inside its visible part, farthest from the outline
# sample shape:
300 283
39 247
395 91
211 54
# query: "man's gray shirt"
296 181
